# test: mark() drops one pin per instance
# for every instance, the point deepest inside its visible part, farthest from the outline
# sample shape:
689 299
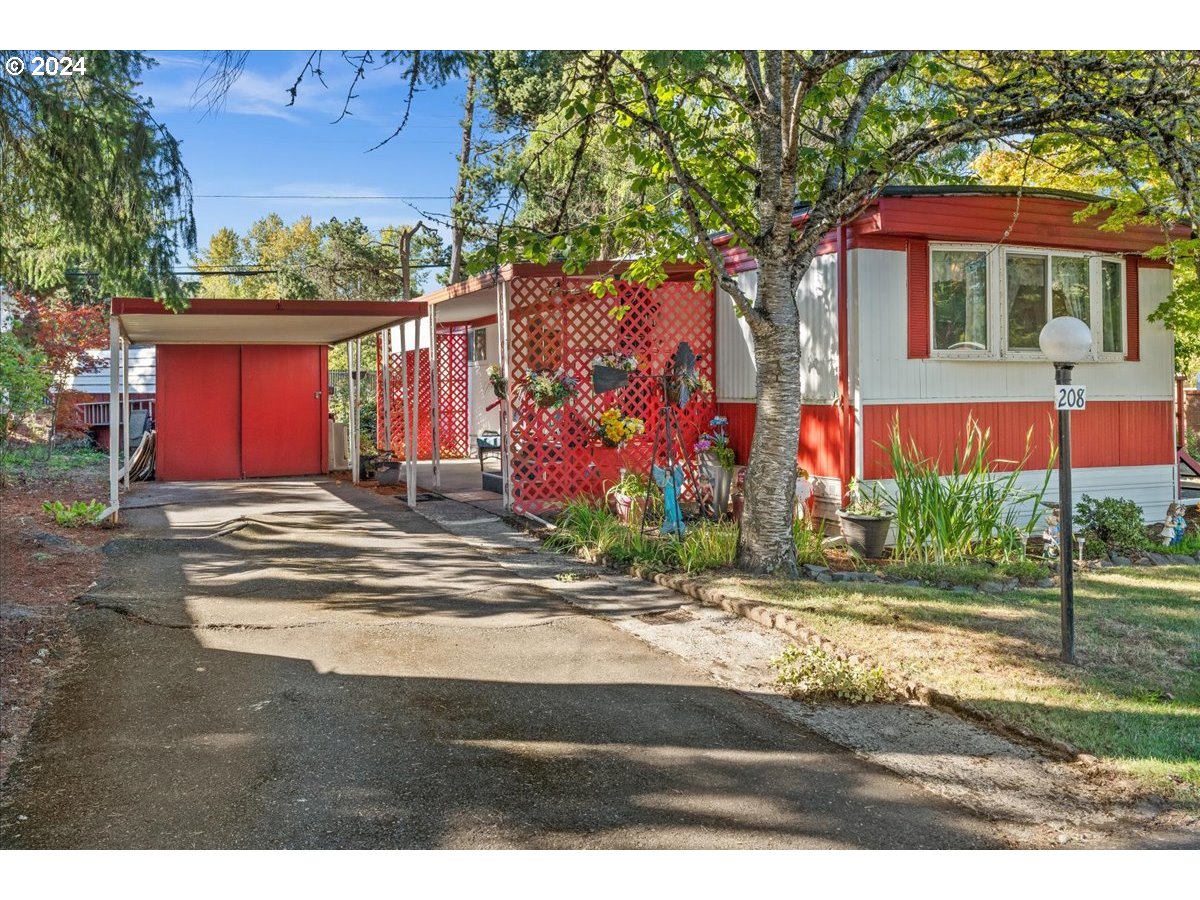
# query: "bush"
1113 521
814 674
23 382
974 512
81 512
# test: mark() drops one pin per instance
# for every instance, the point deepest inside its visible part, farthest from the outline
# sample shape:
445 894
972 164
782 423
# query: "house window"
992 302
960 311
478 345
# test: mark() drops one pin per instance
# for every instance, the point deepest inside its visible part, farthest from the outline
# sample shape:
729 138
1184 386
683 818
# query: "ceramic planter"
720 479
865 535
630 510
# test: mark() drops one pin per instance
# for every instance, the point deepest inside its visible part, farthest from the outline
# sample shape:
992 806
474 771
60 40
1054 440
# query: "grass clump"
974 512
813 674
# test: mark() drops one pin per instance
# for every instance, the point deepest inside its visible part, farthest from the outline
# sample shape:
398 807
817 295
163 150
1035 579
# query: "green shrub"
810 542
81 512
1113 521
814 674
974 512
23 382
971 573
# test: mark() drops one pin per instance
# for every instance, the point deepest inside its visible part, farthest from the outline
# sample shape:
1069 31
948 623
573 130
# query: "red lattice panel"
556 322
454 410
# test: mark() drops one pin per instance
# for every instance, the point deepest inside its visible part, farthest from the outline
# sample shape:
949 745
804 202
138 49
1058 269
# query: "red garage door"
248 411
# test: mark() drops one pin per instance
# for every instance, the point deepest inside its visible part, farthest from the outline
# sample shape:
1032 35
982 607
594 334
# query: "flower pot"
865 535
720 479
630 510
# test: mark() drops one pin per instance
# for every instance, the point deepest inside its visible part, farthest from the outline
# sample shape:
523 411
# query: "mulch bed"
45 568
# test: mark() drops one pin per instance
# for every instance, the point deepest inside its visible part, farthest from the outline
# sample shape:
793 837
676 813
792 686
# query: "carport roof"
146 321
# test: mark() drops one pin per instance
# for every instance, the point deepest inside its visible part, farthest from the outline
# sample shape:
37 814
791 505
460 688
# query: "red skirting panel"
820 436
1107 433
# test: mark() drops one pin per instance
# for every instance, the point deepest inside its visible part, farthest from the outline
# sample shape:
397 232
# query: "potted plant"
368 456
498 381
615 428
717 460
629 496
551 389
865 521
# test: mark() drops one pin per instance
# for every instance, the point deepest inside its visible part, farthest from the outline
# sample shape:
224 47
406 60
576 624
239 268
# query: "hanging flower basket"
551 389
499 382
615 428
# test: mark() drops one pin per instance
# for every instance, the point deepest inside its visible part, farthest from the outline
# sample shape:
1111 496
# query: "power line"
323 197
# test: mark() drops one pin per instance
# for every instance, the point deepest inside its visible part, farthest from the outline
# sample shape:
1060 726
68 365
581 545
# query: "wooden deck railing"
96 414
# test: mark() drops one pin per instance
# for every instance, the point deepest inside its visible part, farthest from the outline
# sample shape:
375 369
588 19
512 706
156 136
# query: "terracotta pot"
630 510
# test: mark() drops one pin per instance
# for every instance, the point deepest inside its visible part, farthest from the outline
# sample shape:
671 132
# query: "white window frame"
997 302
991 352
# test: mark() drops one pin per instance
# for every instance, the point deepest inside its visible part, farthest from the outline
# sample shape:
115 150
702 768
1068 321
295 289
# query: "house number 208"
1070 397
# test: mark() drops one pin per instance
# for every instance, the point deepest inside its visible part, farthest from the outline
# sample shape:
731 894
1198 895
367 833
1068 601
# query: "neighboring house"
91 390
926 310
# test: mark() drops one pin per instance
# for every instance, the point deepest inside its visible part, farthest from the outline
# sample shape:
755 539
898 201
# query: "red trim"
476 323
323 411
1133 318
918 299
1107 433
1037 221
395 309
846 462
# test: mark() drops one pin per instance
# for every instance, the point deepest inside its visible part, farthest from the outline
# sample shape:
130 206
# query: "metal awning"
142 320
145 321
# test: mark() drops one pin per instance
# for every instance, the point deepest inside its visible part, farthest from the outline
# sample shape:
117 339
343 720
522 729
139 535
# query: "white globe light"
1066 339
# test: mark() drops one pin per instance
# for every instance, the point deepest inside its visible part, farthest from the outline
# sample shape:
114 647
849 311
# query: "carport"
243 384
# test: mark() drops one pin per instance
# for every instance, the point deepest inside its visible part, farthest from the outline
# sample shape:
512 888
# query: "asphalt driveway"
303 664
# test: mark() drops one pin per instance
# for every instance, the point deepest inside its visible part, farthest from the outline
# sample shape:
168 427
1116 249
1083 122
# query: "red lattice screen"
453 413
556 322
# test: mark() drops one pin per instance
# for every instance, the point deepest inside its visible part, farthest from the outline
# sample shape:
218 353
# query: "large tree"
735 140
91 184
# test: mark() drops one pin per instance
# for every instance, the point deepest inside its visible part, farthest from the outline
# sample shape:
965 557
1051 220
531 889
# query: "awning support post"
384 369
416 414
506 403
435 408
405 404
352 366
114 416
125 403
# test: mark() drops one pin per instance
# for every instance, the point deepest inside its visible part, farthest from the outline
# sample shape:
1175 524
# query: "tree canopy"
91 184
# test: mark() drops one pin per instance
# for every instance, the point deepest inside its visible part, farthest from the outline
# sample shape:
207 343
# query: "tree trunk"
765 542
460 188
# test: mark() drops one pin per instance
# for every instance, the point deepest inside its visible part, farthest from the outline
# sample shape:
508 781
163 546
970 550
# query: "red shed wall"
228 411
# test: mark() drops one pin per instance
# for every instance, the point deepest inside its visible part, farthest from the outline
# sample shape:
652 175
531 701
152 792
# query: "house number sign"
1070 397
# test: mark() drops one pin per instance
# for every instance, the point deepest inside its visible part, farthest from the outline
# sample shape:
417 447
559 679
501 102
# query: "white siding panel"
816 301
480 388
887 375
1151 487
141 372
736 372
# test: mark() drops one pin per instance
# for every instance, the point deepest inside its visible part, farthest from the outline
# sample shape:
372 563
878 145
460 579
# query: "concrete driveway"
305 664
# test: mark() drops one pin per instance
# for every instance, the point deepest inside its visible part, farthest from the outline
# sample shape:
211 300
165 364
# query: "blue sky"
256 144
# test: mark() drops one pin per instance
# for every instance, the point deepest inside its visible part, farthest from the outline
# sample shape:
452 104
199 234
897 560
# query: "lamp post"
1065 341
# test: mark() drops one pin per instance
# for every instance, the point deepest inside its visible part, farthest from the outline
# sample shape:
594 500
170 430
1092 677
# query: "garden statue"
1175 525
1050 535
804 493
670 480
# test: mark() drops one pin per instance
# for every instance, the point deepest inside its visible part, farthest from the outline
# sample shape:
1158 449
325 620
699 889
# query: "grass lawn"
1133 701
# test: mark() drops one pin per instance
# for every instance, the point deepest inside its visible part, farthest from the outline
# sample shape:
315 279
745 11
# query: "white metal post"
352 425
125 403
383 367
506 403
405 405
435 409
416 412
114 415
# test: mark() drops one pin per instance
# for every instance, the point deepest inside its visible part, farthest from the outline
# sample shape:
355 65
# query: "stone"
824 577
1046 583
1158 559
912 582
1179 559
963 589
1142 561
815 570
1119 560
995 587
